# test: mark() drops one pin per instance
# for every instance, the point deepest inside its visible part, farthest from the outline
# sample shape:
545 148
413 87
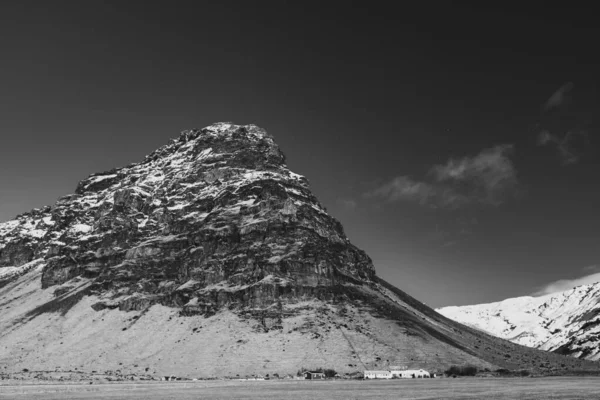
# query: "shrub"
329 373
453 370
469 370
465 370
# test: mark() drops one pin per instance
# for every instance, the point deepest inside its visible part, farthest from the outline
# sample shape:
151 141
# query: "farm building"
378 375
410 373
314 375
397 373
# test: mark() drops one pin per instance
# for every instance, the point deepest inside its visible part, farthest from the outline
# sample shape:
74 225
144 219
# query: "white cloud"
348 204
566 284
485 178
564 145
404 188
559 97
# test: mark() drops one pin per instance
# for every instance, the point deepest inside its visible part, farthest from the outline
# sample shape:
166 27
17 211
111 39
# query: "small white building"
378 375
410 373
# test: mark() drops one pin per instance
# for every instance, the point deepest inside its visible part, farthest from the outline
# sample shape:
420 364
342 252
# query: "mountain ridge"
567 322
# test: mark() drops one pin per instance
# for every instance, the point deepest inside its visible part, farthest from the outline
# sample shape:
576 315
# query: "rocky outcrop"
214 219
17 252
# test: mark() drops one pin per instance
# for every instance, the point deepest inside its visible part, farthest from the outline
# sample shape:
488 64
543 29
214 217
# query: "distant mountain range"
210 258
566 323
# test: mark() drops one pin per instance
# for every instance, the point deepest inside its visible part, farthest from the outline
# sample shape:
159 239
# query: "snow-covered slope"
566 322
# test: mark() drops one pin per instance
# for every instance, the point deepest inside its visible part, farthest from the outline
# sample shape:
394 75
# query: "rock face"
211 258
214 219
566 323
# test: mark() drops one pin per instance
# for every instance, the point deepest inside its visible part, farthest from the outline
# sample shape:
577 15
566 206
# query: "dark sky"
458 146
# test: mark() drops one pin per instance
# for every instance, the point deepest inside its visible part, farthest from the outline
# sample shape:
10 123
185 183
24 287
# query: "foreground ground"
558 388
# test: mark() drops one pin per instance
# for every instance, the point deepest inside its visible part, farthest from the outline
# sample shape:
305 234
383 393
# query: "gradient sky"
457 146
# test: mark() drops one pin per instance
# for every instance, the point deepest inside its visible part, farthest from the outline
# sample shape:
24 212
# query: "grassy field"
587 388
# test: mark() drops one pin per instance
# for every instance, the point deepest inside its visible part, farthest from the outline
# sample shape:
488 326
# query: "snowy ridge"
566 322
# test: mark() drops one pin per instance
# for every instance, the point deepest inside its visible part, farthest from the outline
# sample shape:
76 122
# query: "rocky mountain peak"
212 219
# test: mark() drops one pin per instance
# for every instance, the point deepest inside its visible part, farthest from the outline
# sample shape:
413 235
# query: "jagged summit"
222 130
211 258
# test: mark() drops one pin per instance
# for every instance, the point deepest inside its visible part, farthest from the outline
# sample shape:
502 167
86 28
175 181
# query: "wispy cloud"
565 145
486 178
404 188
573 138
566 284
594 267
559 97
347 204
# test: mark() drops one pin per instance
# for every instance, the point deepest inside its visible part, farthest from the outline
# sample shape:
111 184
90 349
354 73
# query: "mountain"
565 323
211 258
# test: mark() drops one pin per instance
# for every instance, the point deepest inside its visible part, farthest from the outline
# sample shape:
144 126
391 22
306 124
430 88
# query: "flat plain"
559 388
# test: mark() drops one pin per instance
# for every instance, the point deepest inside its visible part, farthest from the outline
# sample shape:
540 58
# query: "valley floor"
558 388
